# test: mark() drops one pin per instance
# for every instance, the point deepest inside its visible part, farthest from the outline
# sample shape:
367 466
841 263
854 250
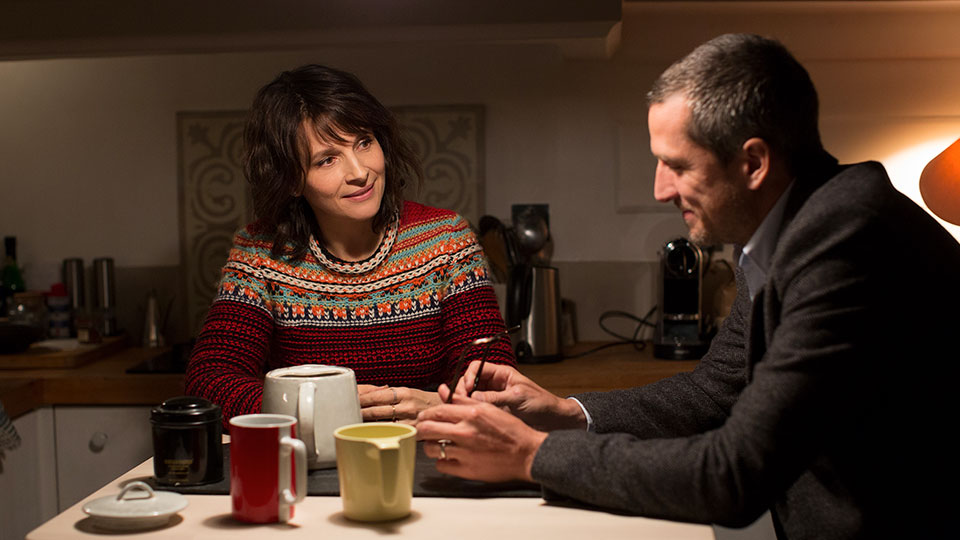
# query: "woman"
338 269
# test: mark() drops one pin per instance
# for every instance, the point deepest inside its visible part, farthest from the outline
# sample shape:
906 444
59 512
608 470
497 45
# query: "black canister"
187 447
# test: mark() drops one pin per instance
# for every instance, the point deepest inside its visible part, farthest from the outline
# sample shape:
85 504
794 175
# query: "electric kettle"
533 302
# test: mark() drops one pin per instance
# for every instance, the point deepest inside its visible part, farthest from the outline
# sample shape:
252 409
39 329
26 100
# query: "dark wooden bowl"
16 337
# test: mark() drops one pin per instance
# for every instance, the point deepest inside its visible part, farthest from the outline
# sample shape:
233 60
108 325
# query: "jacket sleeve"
687 403
694 448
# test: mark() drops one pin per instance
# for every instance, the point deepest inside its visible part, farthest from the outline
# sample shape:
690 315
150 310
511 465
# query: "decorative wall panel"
214 197
450 141
214 202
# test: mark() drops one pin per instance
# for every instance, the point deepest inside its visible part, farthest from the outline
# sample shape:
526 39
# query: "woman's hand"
394 403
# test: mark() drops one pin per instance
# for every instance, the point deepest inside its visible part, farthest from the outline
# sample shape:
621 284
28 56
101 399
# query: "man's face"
711 196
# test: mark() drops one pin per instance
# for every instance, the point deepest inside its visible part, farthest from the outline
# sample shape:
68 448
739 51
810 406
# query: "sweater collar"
337 264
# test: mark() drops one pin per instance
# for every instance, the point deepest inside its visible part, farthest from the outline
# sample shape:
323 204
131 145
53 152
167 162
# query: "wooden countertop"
104 381
615 367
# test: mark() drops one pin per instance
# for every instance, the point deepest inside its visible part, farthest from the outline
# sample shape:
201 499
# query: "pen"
485 341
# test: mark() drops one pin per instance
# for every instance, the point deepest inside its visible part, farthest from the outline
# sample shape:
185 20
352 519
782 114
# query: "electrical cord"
638 344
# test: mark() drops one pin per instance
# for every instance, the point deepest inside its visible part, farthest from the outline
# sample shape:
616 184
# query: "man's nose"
663 184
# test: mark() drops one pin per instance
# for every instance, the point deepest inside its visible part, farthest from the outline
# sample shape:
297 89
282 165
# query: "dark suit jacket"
826 399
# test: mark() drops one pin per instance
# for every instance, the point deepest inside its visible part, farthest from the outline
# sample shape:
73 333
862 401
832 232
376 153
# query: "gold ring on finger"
443 447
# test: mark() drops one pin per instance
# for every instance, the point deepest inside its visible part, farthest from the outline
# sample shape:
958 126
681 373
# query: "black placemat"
427 482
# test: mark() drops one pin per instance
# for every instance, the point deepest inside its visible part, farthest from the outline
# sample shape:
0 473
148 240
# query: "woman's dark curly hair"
276 149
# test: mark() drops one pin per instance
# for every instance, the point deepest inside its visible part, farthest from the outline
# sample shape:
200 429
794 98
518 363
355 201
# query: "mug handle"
308 391
299 450
389 461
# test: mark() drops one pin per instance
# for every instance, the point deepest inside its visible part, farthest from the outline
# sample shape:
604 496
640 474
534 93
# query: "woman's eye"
365 142
324 162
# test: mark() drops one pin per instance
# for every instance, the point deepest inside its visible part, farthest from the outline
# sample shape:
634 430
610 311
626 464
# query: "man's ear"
756 165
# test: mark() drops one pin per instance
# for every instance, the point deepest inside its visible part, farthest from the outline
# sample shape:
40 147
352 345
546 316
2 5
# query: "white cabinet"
65 454
28 476
96 445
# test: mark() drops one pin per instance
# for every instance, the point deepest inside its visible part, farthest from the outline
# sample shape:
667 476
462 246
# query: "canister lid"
186 410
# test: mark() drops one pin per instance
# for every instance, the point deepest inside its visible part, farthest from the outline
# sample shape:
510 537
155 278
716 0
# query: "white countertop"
208 516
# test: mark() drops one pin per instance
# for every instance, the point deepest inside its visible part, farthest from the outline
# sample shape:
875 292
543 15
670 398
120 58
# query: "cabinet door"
97 444
28 478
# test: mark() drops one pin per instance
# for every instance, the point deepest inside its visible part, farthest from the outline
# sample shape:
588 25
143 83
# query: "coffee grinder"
679 329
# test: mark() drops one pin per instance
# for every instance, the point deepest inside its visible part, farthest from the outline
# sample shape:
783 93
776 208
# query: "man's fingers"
437 450
486 396
431 430
461 385
470 376
444 392
451 413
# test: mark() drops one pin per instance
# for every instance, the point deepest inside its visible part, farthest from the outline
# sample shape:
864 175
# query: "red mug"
259 492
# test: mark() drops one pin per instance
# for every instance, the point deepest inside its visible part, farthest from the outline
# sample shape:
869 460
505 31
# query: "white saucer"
137 506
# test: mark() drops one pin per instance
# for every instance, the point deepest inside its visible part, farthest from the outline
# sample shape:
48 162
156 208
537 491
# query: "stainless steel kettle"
533 302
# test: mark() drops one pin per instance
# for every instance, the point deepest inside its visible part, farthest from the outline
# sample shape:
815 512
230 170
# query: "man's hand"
480 441
506 387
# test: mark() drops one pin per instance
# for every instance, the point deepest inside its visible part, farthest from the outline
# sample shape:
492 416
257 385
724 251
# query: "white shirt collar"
758 251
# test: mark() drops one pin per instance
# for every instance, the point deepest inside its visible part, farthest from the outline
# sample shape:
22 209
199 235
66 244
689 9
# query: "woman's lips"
361 195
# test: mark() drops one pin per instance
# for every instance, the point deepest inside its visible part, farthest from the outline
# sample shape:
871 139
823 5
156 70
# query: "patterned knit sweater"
400 317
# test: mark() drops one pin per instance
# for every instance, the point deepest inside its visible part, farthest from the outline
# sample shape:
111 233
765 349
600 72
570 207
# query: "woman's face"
344 182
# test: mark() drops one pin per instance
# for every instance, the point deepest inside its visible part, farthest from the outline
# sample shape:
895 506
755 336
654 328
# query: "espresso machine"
679 334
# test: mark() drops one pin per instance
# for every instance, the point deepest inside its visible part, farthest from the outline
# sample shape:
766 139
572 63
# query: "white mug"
321 398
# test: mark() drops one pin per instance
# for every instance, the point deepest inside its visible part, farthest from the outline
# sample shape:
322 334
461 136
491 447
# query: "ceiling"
38 29
31 29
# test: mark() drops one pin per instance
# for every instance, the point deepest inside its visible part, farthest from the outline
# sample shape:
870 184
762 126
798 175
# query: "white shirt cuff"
585 413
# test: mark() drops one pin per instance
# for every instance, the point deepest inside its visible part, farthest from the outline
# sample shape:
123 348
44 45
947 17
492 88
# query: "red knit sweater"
400 317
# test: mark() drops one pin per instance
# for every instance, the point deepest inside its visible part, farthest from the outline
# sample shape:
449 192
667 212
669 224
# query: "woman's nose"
354 169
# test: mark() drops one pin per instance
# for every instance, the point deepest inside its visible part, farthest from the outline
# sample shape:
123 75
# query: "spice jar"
187 448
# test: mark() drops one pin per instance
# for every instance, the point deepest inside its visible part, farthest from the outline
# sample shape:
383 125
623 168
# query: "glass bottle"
11 280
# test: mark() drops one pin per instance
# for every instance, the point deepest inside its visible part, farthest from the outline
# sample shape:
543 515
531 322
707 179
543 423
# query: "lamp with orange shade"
940 184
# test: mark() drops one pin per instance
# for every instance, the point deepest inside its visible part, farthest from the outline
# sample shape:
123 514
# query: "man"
825 396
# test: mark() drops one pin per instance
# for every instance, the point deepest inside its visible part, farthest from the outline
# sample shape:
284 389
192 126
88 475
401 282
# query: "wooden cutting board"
52 354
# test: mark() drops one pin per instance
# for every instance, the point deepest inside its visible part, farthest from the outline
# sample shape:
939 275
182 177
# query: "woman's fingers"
383 395
396 403
381 413
364 388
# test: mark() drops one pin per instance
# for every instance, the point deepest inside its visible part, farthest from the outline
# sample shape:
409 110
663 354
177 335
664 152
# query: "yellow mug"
375 464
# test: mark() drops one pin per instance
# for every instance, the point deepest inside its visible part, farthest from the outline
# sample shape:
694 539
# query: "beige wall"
88 156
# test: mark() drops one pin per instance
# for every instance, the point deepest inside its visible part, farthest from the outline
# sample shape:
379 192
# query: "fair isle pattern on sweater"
408 283
401 321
